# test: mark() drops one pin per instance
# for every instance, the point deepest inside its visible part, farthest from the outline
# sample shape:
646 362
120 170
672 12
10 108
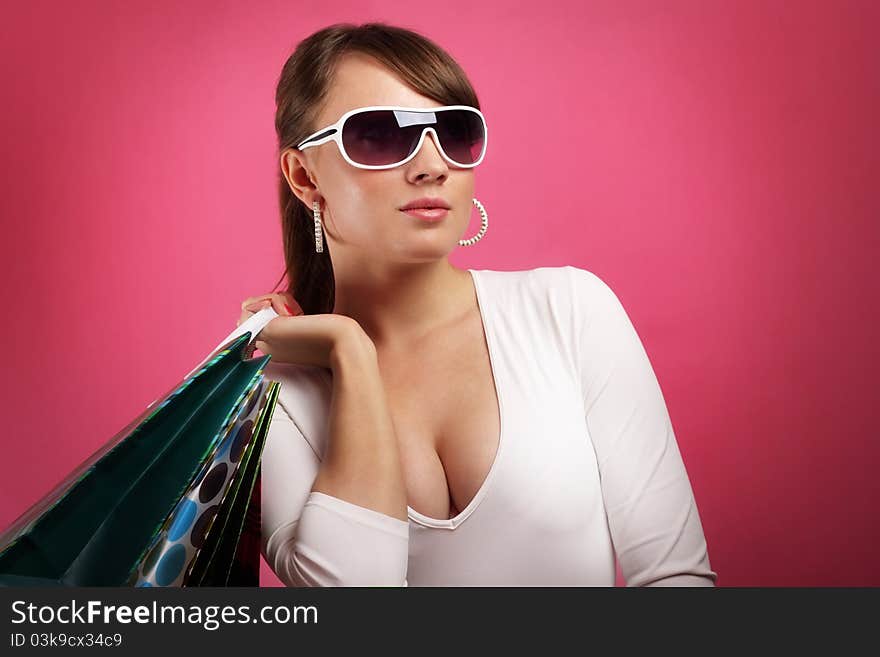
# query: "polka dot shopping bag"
172 499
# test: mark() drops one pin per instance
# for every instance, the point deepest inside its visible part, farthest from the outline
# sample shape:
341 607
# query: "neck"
398 304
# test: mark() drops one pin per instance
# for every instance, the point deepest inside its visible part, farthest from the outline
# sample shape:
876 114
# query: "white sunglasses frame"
337 127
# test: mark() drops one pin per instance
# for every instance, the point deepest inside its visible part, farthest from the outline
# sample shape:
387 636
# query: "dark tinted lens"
380 137
461 135
375 138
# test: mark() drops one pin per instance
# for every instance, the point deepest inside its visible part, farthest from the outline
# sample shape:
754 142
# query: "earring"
319 235
483 227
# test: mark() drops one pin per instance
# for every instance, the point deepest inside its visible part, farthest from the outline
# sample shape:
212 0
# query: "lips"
426 203
427 214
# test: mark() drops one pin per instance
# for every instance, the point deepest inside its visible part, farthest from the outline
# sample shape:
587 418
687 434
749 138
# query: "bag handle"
254 324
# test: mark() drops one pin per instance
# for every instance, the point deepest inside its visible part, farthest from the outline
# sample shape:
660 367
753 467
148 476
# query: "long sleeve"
314 539
650 506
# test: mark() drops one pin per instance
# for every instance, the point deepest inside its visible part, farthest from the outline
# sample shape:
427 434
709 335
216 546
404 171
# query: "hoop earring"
319 235
484 226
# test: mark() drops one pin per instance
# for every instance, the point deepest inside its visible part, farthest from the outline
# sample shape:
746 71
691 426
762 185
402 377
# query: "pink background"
717 165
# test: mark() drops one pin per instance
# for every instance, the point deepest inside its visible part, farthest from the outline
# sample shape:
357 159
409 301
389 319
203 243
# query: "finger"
246 315
279 306
258 305
275 301
252 300
292 304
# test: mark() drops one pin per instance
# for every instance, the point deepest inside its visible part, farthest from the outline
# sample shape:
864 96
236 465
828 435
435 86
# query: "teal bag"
172 499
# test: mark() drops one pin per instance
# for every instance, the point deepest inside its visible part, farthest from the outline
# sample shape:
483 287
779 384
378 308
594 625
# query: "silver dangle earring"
483 227
319 235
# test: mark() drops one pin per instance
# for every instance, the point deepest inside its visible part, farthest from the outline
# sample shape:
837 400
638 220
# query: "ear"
295 169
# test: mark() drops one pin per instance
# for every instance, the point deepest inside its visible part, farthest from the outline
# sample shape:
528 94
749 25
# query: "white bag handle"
254 324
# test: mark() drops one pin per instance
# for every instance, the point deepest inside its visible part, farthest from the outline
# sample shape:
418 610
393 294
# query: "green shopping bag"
171 500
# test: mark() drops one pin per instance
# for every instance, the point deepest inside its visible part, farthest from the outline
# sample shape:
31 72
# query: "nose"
429 159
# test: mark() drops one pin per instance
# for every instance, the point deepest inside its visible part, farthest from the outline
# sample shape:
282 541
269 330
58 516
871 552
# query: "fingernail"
289 309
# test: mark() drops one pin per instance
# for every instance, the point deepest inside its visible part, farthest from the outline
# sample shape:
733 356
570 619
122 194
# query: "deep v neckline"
455 521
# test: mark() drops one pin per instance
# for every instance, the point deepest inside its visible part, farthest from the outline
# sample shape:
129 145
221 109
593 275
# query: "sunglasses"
385 136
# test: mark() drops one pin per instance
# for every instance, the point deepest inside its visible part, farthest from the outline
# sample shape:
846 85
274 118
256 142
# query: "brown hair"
303 85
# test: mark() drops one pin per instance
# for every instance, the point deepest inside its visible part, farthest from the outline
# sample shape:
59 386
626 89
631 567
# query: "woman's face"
360 207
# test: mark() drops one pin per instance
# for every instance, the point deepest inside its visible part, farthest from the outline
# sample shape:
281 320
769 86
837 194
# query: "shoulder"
590 291
522 283
576 288
547 275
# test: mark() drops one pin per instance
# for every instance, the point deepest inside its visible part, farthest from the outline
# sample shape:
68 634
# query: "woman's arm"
362 463
340 521
651 510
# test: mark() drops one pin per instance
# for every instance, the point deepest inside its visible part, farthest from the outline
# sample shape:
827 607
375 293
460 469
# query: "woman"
437 426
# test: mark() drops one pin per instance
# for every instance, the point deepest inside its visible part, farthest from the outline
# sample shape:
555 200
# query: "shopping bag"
170 500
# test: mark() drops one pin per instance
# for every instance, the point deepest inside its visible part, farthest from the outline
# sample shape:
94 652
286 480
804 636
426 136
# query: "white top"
587 463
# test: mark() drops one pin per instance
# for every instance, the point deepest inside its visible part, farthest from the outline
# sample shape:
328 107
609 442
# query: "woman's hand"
282 303
294 337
